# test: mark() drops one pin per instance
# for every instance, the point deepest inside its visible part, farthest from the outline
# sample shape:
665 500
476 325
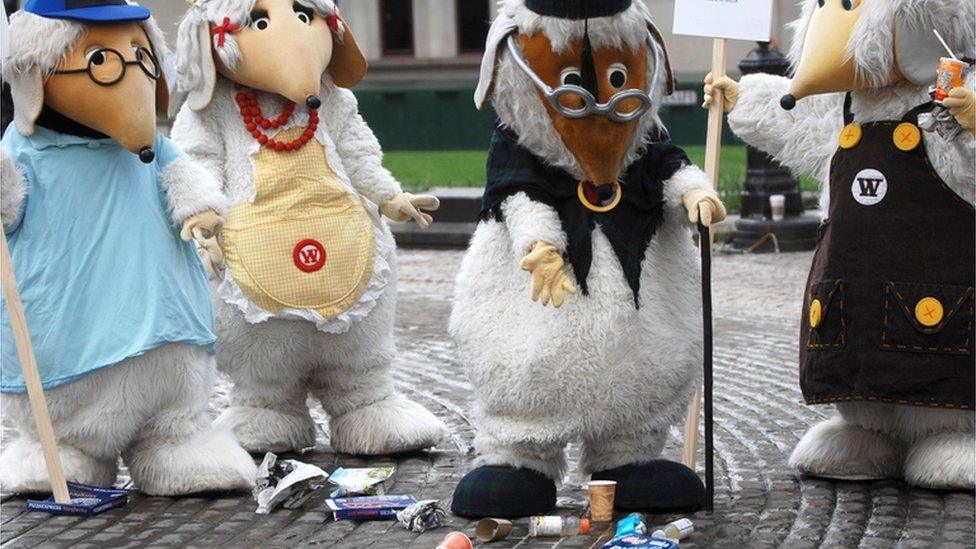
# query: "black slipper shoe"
659 486
503 492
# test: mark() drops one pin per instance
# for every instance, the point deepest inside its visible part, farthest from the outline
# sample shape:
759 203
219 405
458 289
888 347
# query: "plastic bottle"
558 526
676 530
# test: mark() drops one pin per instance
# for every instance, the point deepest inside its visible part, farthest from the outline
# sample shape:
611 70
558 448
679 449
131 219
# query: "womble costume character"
94 205
589 208
306 303
887 331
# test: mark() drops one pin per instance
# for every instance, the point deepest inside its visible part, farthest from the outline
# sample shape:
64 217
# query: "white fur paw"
837 449
392 425
211 460
946 461
261 430
23 471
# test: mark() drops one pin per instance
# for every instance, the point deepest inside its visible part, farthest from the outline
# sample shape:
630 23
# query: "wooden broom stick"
32 379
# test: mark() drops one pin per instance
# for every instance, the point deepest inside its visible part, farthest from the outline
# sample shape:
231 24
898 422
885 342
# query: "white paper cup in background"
777 204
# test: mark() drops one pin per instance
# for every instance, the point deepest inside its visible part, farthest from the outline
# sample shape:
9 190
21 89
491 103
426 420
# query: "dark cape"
629 227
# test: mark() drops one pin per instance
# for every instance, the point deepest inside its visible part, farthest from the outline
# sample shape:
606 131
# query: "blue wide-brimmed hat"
96 11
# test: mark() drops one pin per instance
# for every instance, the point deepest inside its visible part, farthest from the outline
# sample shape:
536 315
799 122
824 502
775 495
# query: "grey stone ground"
759 417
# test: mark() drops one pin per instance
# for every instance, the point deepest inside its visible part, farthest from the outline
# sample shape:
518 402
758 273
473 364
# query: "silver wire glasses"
615 109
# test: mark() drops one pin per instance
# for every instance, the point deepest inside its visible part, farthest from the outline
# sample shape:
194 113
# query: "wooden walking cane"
740 20
32 379
713 148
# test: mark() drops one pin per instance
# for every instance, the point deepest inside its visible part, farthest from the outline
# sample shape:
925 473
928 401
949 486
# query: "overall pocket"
927 318
826 318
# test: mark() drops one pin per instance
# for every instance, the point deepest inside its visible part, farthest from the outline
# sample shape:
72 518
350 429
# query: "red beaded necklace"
247 102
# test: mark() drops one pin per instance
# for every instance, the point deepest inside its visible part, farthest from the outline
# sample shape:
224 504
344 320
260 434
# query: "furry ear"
348 65
200 96
669 82
27 91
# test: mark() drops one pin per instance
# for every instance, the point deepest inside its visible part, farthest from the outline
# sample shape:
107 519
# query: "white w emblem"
869 187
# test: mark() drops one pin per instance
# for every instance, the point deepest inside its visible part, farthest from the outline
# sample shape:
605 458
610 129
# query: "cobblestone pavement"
759 417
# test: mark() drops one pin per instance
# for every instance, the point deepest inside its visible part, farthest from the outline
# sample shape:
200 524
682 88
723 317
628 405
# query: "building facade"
425 54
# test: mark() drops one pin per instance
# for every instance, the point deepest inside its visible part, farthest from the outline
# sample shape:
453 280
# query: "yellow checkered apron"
305 242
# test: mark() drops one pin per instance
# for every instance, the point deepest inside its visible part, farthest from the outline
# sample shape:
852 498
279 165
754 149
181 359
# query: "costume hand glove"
405 206
962 104
203 228
730 91
703 206
210 254
549 280
209 223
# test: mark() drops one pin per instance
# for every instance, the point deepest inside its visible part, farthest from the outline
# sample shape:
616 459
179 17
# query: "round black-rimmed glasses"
107 66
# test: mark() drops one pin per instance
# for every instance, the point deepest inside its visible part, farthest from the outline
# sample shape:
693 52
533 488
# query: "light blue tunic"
102 271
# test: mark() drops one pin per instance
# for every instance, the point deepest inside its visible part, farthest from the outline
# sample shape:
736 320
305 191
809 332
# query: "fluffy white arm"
361 154
803 139
686 179
190 189
13 189
529 221
200 137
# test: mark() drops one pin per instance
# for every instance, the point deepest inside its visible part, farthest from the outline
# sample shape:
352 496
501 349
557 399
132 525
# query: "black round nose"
787 102
604 192
313 102
147 155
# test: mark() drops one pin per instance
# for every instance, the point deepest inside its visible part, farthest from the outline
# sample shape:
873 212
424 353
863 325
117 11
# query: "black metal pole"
705 243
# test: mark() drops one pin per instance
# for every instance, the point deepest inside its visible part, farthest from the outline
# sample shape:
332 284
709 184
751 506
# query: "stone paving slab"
759 417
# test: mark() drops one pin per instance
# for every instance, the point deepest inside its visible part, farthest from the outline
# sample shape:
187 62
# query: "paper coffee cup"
777 205
601 499
492 529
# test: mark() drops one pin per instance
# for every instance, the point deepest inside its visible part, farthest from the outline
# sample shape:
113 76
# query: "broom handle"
35 392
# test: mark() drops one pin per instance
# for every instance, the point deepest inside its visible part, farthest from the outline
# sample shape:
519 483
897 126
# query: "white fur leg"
209 460
837 449
625 449
392 425
22 468
943 461
262 430
546 458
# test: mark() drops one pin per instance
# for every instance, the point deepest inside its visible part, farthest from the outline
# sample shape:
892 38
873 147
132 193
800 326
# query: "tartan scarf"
629 227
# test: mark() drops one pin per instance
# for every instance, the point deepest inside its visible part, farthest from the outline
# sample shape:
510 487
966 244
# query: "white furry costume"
930 447
597 369
277 360
151 407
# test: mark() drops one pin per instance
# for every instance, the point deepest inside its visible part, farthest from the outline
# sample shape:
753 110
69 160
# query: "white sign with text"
733 19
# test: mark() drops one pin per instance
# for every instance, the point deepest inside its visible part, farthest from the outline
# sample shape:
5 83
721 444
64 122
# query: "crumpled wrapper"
362 481
422 516
287 483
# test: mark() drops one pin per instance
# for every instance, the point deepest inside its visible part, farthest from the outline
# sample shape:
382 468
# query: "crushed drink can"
948 76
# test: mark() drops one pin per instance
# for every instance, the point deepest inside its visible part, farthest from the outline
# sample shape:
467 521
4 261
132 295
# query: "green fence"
444 117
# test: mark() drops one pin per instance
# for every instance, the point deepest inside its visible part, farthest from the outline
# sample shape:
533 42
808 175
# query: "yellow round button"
850 136
907 136
816 313
929 312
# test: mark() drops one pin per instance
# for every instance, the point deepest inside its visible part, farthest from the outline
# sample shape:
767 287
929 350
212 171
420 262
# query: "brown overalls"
888 314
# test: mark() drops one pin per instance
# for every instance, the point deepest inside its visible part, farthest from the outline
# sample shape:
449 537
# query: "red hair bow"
221 30
333 21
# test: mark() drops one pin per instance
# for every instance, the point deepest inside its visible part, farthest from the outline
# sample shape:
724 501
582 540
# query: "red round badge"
309 255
